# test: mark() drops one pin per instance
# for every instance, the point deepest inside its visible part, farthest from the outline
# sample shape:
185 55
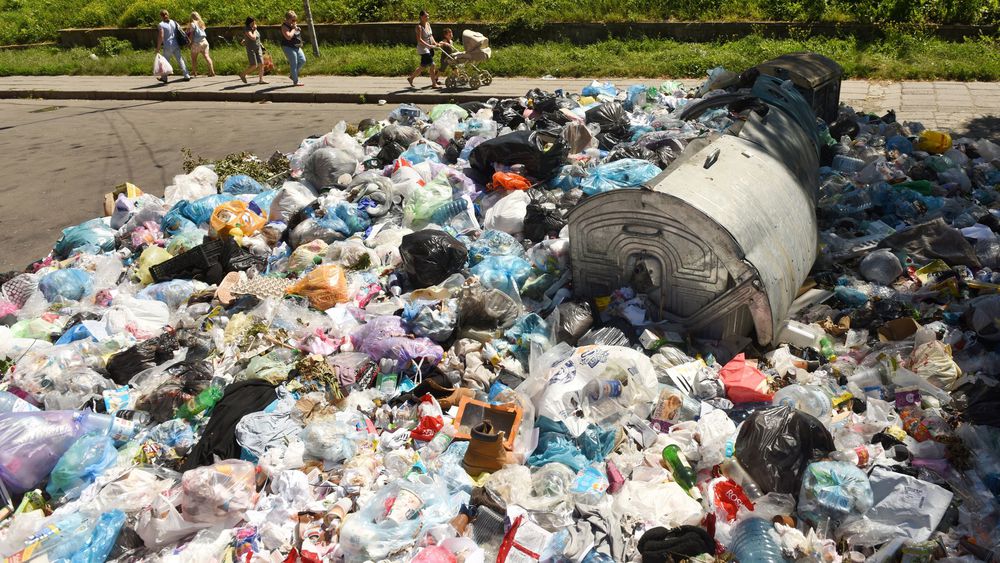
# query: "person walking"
199 44
291 44
255 51
425 44
166 40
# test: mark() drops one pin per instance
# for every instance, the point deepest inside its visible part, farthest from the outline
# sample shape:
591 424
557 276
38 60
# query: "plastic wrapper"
324 287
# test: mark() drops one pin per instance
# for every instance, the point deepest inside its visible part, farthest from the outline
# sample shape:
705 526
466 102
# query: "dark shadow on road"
985 127
239 86
93 111
156 84
273 88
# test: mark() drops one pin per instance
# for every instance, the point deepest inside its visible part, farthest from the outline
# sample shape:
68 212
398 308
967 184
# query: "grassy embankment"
897 57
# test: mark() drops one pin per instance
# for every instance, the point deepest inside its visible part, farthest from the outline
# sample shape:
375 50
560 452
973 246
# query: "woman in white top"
199 44
425 46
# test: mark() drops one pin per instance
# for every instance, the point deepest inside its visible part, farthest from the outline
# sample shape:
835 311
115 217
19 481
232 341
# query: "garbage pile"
378 355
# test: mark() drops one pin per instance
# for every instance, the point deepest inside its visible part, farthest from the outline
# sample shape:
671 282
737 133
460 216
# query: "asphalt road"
59 158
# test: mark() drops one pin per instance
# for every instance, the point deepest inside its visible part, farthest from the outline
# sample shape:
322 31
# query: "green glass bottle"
681 470
200 403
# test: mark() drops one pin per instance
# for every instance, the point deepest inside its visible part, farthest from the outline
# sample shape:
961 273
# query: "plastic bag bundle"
239 184
91 237
430 256
219 492
494 243
372 192
506 273
329 224
329 167
324 287
834 489
624 173
71 284
81 465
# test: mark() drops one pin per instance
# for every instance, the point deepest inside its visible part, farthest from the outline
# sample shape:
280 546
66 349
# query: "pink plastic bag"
744 383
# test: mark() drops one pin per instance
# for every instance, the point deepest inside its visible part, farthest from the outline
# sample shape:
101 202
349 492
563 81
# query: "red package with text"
431 419
727 496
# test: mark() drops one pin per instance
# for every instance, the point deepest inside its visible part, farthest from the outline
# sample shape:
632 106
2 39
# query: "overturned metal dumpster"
721 241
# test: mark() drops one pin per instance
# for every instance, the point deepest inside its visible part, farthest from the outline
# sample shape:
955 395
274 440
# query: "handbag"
182 38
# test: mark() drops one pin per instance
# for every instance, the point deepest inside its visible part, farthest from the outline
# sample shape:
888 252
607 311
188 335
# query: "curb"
280 97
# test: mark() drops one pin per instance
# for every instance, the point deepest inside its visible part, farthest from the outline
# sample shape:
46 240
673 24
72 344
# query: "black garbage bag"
509 112
981 403
575 319
473 107
776 444
390 152
613 121
632 150
219 439
931 240
660 545
520 147
542 220
430 256
144 355
539 100
454 150
486 309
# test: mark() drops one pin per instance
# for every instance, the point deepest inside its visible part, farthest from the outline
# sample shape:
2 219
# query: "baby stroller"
463 72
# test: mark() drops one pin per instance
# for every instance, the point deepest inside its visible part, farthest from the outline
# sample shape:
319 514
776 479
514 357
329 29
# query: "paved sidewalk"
966 108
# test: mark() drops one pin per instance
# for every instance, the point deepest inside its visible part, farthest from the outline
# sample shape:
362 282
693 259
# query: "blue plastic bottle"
752 542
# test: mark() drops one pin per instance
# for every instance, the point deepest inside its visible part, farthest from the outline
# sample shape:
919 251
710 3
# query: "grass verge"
898 57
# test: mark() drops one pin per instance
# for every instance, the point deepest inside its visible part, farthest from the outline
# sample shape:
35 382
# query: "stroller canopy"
477 47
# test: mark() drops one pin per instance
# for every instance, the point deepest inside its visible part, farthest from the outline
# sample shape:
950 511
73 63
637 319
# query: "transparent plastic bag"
70 284
324 286
219 492
81 465
91 237
624 173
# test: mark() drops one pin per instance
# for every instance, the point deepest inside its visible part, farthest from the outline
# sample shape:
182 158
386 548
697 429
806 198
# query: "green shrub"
111 46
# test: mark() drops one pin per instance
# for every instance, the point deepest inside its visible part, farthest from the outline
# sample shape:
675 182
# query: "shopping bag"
161 66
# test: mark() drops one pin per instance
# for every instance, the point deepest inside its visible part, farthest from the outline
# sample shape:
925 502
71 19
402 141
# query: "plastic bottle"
849 164
446 212
200 403
10 402
438 444
752 542
681 470
809 399
142 418
862 456
732 469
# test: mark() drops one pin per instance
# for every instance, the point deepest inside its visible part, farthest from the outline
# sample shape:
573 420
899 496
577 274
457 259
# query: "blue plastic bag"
624 173
241 184
596 89
506 273
529 329
186 215
174 292
494 243
81 465
102 541
76 332
556 444
568 178
72 284
344 218
91 237
263 202
419 152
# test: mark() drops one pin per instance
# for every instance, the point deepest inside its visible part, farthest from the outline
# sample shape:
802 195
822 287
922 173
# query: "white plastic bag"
198 184
507 215
657 504
161 66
